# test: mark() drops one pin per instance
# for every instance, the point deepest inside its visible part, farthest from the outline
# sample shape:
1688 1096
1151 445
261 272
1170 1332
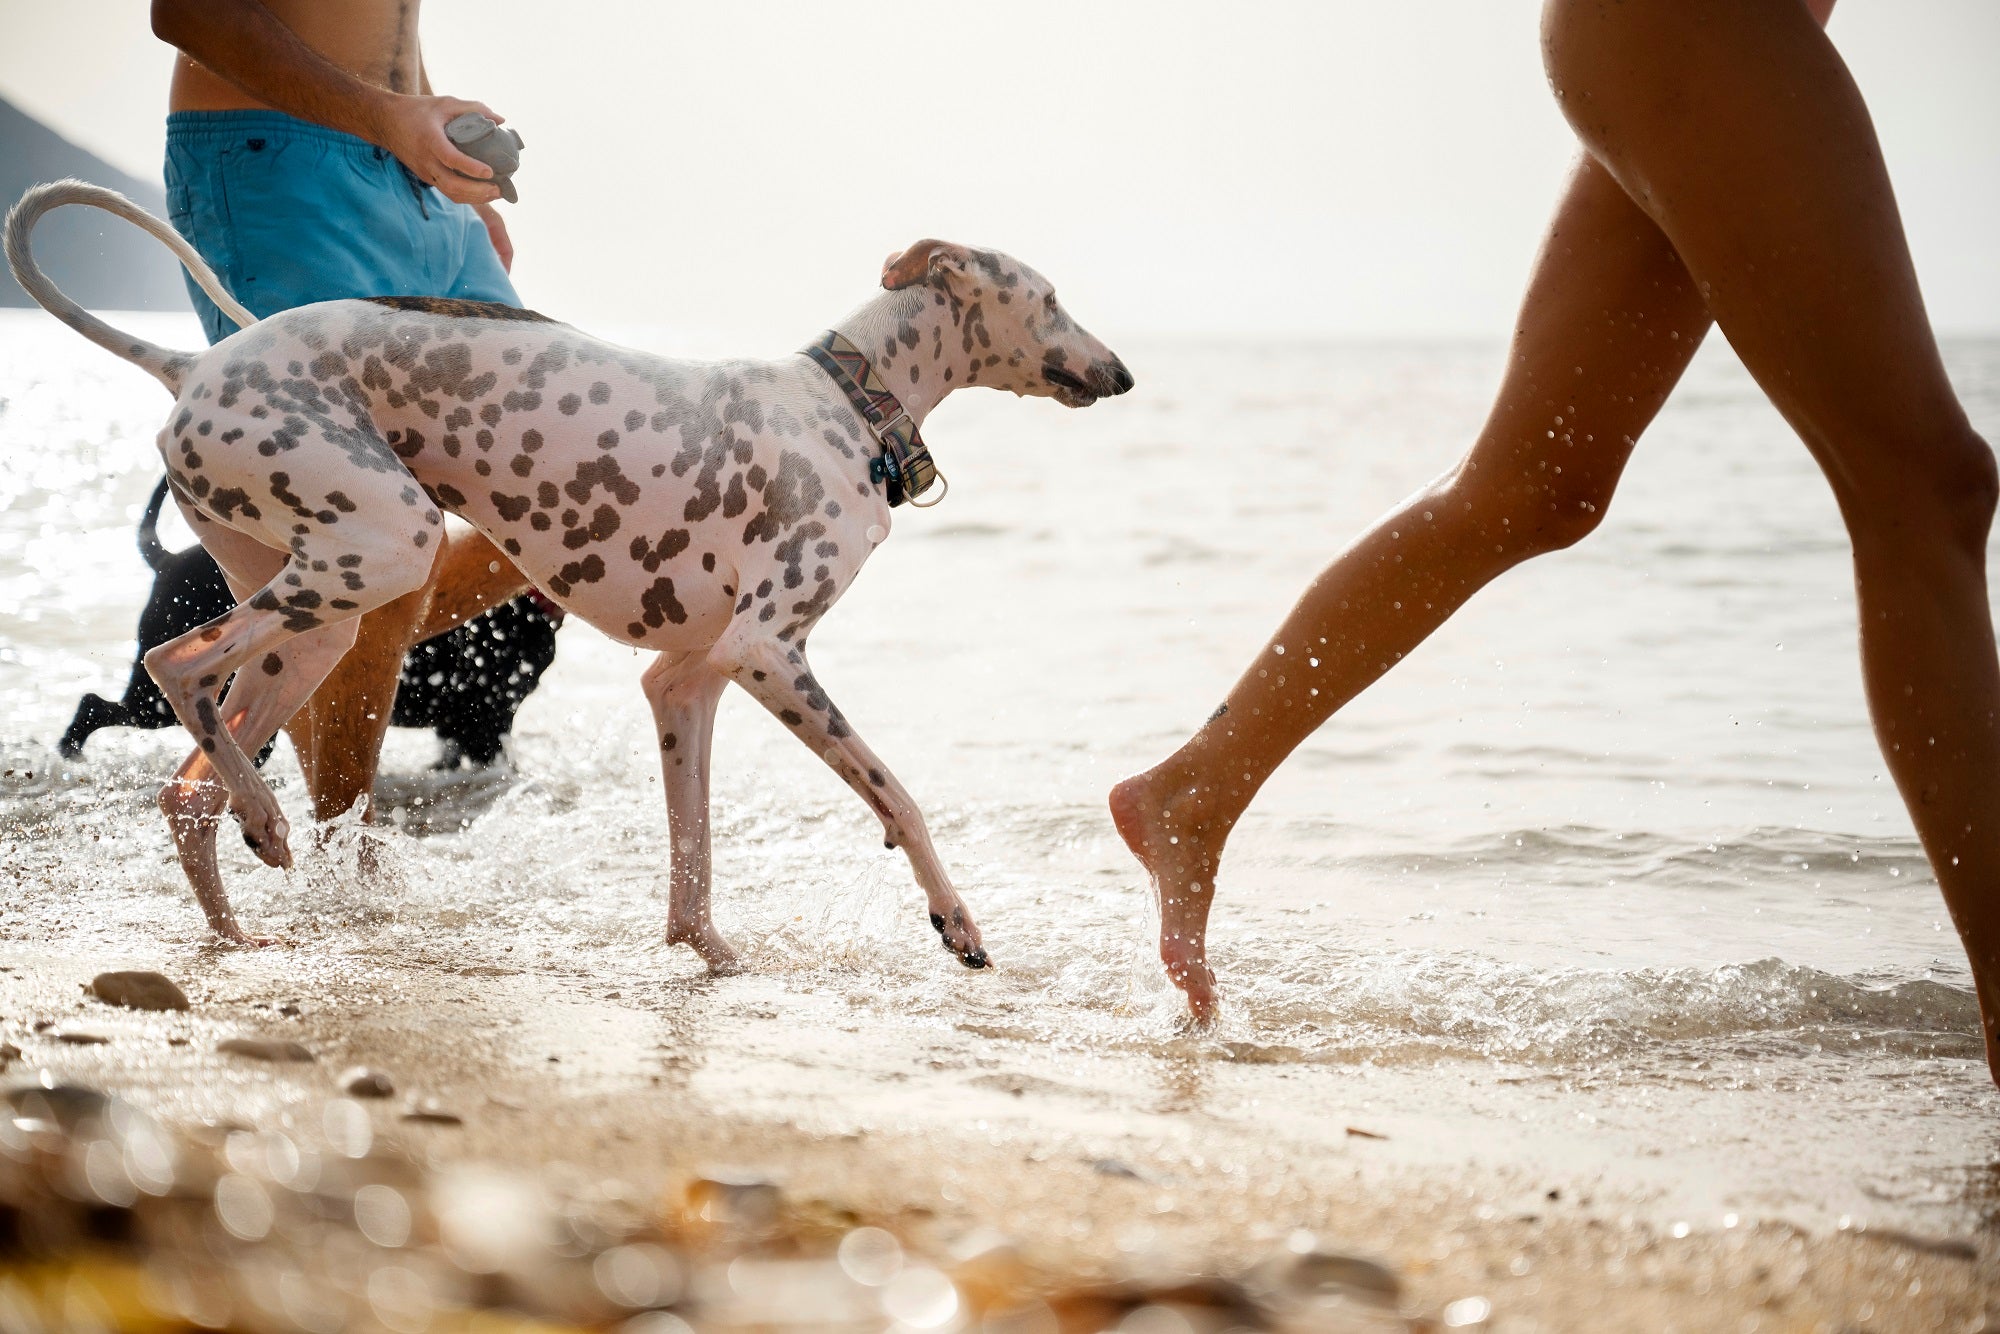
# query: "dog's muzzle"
1107 379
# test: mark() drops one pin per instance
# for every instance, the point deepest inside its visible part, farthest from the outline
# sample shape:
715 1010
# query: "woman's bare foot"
1159 819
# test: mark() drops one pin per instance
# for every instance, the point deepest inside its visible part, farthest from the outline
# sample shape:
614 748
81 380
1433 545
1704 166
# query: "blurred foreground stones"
111 1221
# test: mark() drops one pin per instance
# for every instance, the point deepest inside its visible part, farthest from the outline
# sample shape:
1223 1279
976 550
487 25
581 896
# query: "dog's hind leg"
683 690
780 679
336 572
193 801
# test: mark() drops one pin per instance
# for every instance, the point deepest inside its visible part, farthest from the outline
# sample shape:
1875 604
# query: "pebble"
138 991
361 1082
733 1199
66 1105
1167 1303
428 1113
1952 1248
1111 1167
265 1049
1326 1274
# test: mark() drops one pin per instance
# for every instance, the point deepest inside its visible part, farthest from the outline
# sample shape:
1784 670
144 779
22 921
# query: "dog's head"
1009 324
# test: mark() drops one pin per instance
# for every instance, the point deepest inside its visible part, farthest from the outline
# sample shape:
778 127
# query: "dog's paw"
266 833
961 938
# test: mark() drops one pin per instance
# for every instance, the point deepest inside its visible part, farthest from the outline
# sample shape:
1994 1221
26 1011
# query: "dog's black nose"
1111 377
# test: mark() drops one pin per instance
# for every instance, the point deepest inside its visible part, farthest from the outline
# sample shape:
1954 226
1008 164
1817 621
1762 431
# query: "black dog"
465 684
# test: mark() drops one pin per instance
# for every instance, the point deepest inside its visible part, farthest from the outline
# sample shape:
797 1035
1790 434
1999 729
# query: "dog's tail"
151 549
161 363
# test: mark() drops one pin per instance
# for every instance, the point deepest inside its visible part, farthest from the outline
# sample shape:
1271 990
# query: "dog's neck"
913 341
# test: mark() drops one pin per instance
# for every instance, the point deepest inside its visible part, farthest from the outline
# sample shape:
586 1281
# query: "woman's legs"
1609 322
1737 128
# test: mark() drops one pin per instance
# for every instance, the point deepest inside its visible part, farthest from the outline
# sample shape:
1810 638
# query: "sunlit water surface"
1620 829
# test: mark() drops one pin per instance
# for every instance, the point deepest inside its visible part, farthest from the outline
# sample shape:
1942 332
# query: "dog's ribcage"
657 499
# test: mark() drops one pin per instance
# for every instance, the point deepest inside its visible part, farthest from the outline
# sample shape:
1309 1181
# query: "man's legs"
347 718
288 213
338 735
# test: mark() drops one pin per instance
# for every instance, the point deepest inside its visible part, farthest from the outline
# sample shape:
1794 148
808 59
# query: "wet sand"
940 1131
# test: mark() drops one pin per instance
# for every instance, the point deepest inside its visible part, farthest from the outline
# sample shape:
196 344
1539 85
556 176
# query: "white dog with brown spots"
711 512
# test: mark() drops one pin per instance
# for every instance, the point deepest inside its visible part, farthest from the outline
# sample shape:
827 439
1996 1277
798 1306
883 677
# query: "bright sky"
1343 167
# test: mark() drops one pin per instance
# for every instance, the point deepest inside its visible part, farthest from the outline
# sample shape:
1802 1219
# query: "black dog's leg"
188 591
93 712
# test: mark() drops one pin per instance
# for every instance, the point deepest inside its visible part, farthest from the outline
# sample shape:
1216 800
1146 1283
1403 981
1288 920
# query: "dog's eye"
1049 302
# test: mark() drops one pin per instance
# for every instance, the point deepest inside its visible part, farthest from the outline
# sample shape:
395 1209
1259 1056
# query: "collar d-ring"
943 490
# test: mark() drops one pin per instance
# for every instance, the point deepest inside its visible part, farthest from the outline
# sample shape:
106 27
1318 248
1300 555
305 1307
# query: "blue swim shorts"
289 212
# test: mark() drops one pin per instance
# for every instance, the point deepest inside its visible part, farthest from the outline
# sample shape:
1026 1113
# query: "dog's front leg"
683 690
780 679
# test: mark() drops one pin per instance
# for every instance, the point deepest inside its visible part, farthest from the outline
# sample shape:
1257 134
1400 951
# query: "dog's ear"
922 262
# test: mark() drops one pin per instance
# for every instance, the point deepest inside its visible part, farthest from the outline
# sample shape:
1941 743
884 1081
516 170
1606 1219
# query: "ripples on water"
1625 807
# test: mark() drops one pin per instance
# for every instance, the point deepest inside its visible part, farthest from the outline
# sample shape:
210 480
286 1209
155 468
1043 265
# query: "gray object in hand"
475 136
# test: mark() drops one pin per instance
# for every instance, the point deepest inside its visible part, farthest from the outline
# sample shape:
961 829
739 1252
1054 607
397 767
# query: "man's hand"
496 231
412 127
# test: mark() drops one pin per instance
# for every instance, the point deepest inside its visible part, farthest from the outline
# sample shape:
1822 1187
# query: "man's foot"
707 942
1180 854
236 935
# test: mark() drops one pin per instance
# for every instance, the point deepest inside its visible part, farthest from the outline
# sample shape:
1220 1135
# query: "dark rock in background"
100 262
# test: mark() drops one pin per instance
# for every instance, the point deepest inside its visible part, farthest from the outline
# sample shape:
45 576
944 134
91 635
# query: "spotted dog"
708 511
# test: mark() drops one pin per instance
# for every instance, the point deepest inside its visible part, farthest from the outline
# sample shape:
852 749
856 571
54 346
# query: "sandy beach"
943 1132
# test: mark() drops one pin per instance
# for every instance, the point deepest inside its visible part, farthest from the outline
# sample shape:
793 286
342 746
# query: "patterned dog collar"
904 467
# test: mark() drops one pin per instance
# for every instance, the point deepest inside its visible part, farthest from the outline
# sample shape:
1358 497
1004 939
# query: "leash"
904 468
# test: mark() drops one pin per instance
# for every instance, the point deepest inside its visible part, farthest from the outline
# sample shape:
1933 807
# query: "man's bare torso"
374 40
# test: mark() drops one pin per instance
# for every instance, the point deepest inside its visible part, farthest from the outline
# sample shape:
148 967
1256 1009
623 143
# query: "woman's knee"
1528 513
1945 490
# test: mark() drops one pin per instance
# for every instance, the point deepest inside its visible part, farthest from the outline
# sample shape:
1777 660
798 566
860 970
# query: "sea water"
1618 835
